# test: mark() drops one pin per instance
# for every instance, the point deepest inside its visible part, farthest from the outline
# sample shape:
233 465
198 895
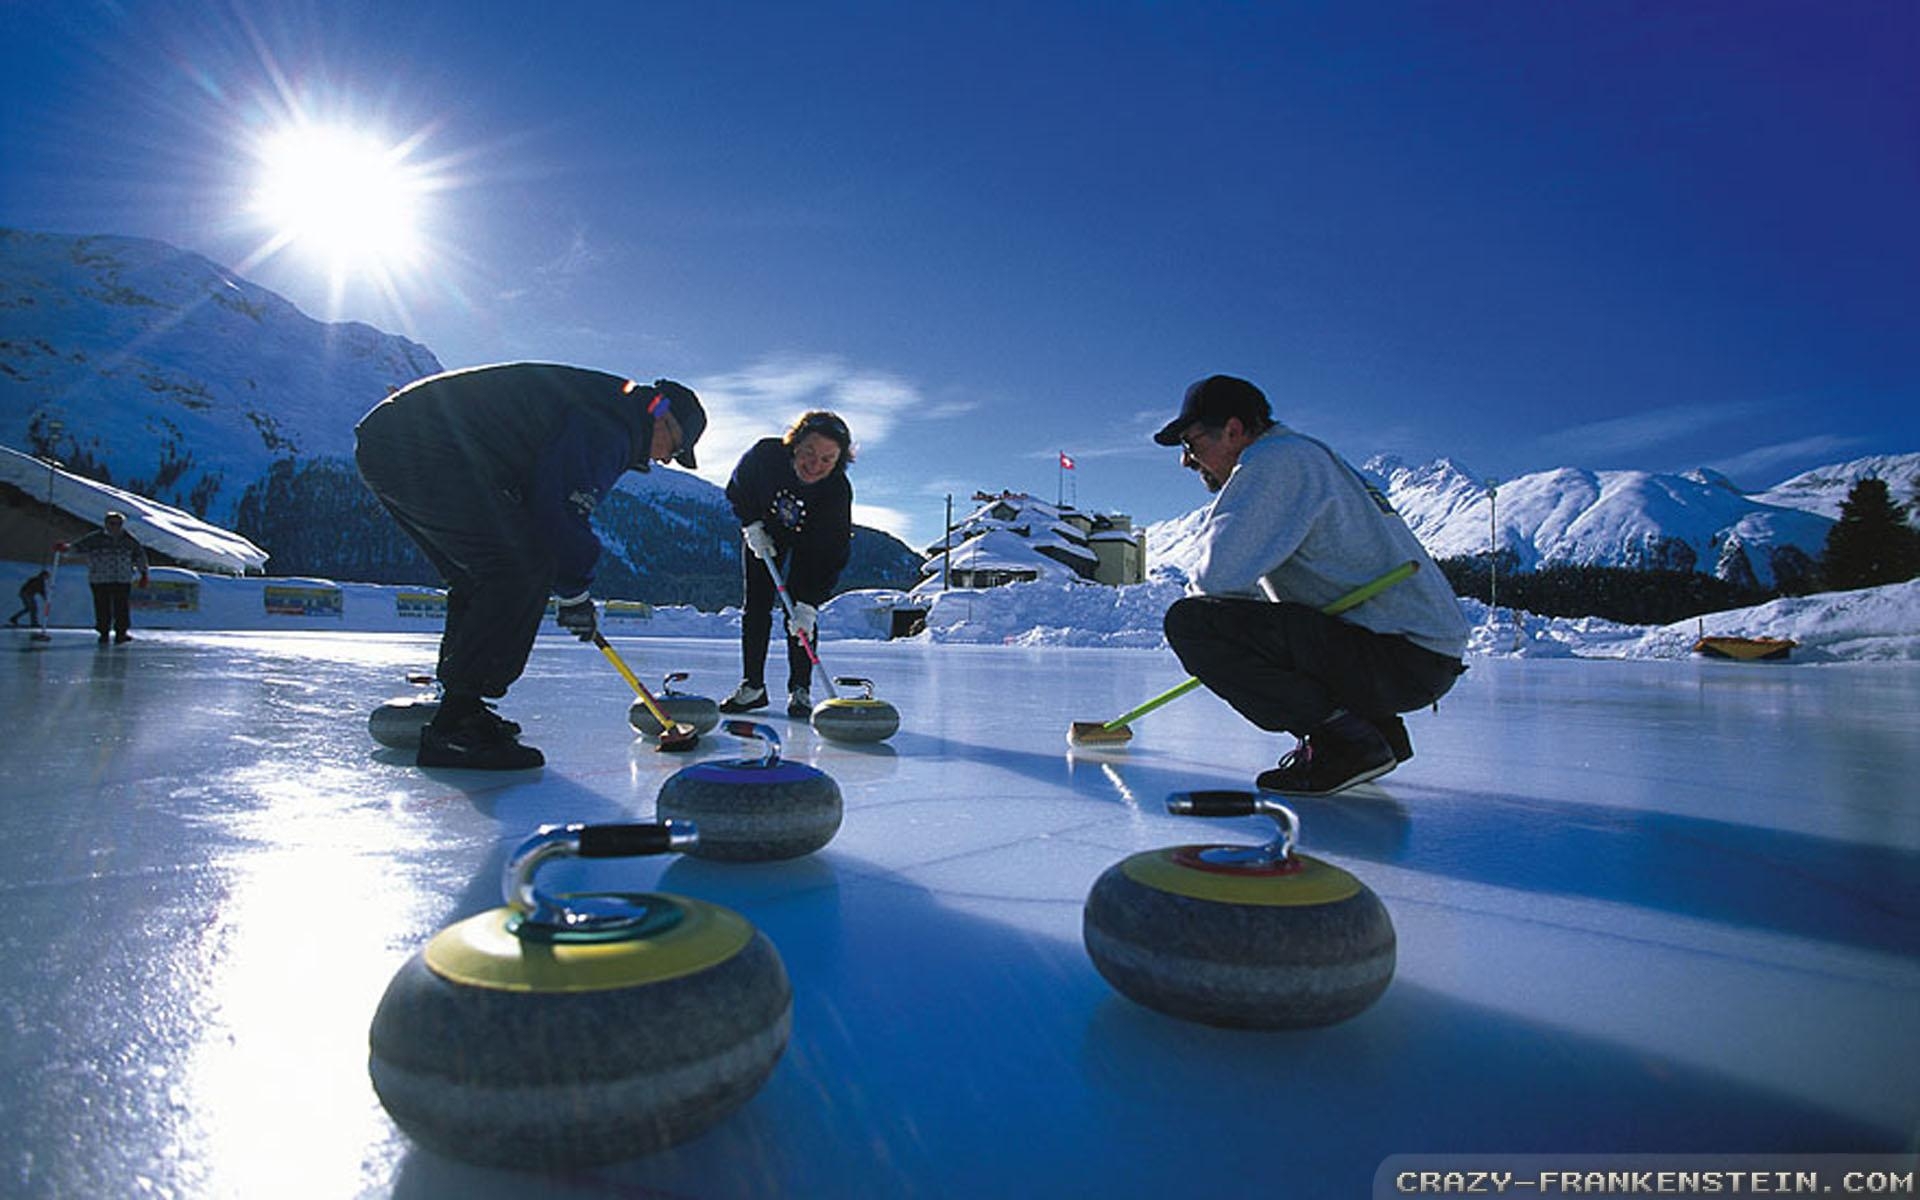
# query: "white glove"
759 541
805 619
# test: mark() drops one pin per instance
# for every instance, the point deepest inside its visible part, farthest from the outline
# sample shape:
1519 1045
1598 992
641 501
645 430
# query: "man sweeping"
1292 528
495 472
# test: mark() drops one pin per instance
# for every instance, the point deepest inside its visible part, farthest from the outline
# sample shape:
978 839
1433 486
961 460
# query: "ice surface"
1649 906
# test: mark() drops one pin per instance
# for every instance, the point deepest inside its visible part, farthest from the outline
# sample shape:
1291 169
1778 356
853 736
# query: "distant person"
33 593
495 473
115 561
795 506
1291 529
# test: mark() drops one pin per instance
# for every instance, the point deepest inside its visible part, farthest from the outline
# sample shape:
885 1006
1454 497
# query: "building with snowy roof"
1014 538
41 504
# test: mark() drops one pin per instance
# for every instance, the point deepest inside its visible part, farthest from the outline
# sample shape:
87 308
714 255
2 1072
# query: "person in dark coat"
495 473
32 594
115 562
795 506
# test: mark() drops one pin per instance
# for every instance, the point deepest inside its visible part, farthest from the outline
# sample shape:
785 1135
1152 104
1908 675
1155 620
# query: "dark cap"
1212 401
679 399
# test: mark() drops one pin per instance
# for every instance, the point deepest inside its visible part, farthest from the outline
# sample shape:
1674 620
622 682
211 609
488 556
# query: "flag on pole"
1066 464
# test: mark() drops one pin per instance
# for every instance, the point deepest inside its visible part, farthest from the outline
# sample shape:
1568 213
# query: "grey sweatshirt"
1296 523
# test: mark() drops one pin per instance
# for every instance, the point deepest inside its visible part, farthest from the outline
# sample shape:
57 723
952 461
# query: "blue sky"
1524 235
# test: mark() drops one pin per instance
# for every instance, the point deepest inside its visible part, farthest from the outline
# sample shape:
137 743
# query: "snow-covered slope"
184 381
1823 489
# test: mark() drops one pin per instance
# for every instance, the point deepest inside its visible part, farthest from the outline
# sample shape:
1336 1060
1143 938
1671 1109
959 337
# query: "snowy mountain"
1698 521
172 377
1823 489
165 374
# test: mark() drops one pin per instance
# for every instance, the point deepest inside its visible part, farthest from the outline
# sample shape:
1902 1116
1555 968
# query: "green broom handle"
1359 595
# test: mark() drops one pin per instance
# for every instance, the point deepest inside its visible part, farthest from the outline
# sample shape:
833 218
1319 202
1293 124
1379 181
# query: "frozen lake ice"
1641 906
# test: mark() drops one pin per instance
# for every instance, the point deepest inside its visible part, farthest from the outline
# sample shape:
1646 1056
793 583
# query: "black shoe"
121 639
1394 730
746 698
1341 753
103 639
505 727
800 703
477 743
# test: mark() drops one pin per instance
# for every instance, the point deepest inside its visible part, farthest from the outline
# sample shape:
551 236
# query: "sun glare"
342 197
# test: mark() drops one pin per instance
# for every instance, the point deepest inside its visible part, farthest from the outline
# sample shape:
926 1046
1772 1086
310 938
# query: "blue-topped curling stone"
855 718
754 810
701 712
569 1030
1254 937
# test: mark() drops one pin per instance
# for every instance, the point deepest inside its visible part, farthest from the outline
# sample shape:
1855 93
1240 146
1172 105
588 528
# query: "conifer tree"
1871 544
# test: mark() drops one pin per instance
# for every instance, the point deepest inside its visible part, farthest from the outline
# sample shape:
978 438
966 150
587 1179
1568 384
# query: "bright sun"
342 197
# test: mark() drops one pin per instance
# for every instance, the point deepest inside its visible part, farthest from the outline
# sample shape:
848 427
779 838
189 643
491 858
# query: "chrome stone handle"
1241 804
767 735
666 684
592 913
856 681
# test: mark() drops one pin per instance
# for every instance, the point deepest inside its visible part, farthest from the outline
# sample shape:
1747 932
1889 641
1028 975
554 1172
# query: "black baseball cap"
1212 401
679 399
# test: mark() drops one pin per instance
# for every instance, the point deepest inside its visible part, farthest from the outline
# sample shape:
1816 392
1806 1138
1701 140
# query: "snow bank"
1873 624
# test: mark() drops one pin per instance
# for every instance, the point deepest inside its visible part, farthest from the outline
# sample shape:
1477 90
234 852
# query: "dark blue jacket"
555 437
811 523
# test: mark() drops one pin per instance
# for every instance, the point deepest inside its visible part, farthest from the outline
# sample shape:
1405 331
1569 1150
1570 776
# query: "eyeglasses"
1187 442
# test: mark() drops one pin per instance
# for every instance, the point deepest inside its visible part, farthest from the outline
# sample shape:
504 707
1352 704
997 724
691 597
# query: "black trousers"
756 625
112 607
482 542
1288 667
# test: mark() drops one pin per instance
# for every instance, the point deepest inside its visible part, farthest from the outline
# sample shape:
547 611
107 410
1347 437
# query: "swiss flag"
1066 464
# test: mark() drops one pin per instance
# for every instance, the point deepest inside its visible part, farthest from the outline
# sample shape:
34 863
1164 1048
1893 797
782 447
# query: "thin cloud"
1641 431
1764 461
762 399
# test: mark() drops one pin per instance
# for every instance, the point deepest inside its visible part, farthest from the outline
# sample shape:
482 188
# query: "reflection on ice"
1611 882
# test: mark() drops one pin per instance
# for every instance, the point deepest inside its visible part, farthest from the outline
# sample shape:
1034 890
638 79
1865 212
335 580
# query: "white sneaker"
799 703
745 698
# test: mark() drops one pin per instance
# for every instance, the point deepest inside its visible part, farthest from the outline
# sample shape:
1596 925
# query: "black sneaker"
476 743
505 727
1394 730
121 639
800 703
1343 752
745 698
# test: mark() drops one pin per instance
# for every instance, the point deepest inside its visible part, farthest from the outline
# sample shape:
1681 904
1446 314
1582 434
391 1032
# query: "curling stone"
855 718
398 722
753 810
571 1030
1249 937
701 712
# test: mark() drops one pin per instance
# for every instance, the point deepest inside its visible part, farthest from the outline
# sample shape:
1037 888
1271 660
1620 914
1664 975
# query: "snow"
1870 624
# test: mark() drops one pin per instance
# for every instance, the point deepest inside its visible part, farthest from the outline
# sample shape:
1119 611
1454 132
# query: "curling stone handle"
766 734
636 840
582 841
854 681
1224 803
673 677
1212 803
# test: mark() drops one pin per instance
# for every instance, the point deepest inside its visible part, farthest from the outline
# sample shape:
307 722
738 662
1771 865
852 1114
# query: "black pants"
112 608
1288 667
481 541
30 609
756 625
